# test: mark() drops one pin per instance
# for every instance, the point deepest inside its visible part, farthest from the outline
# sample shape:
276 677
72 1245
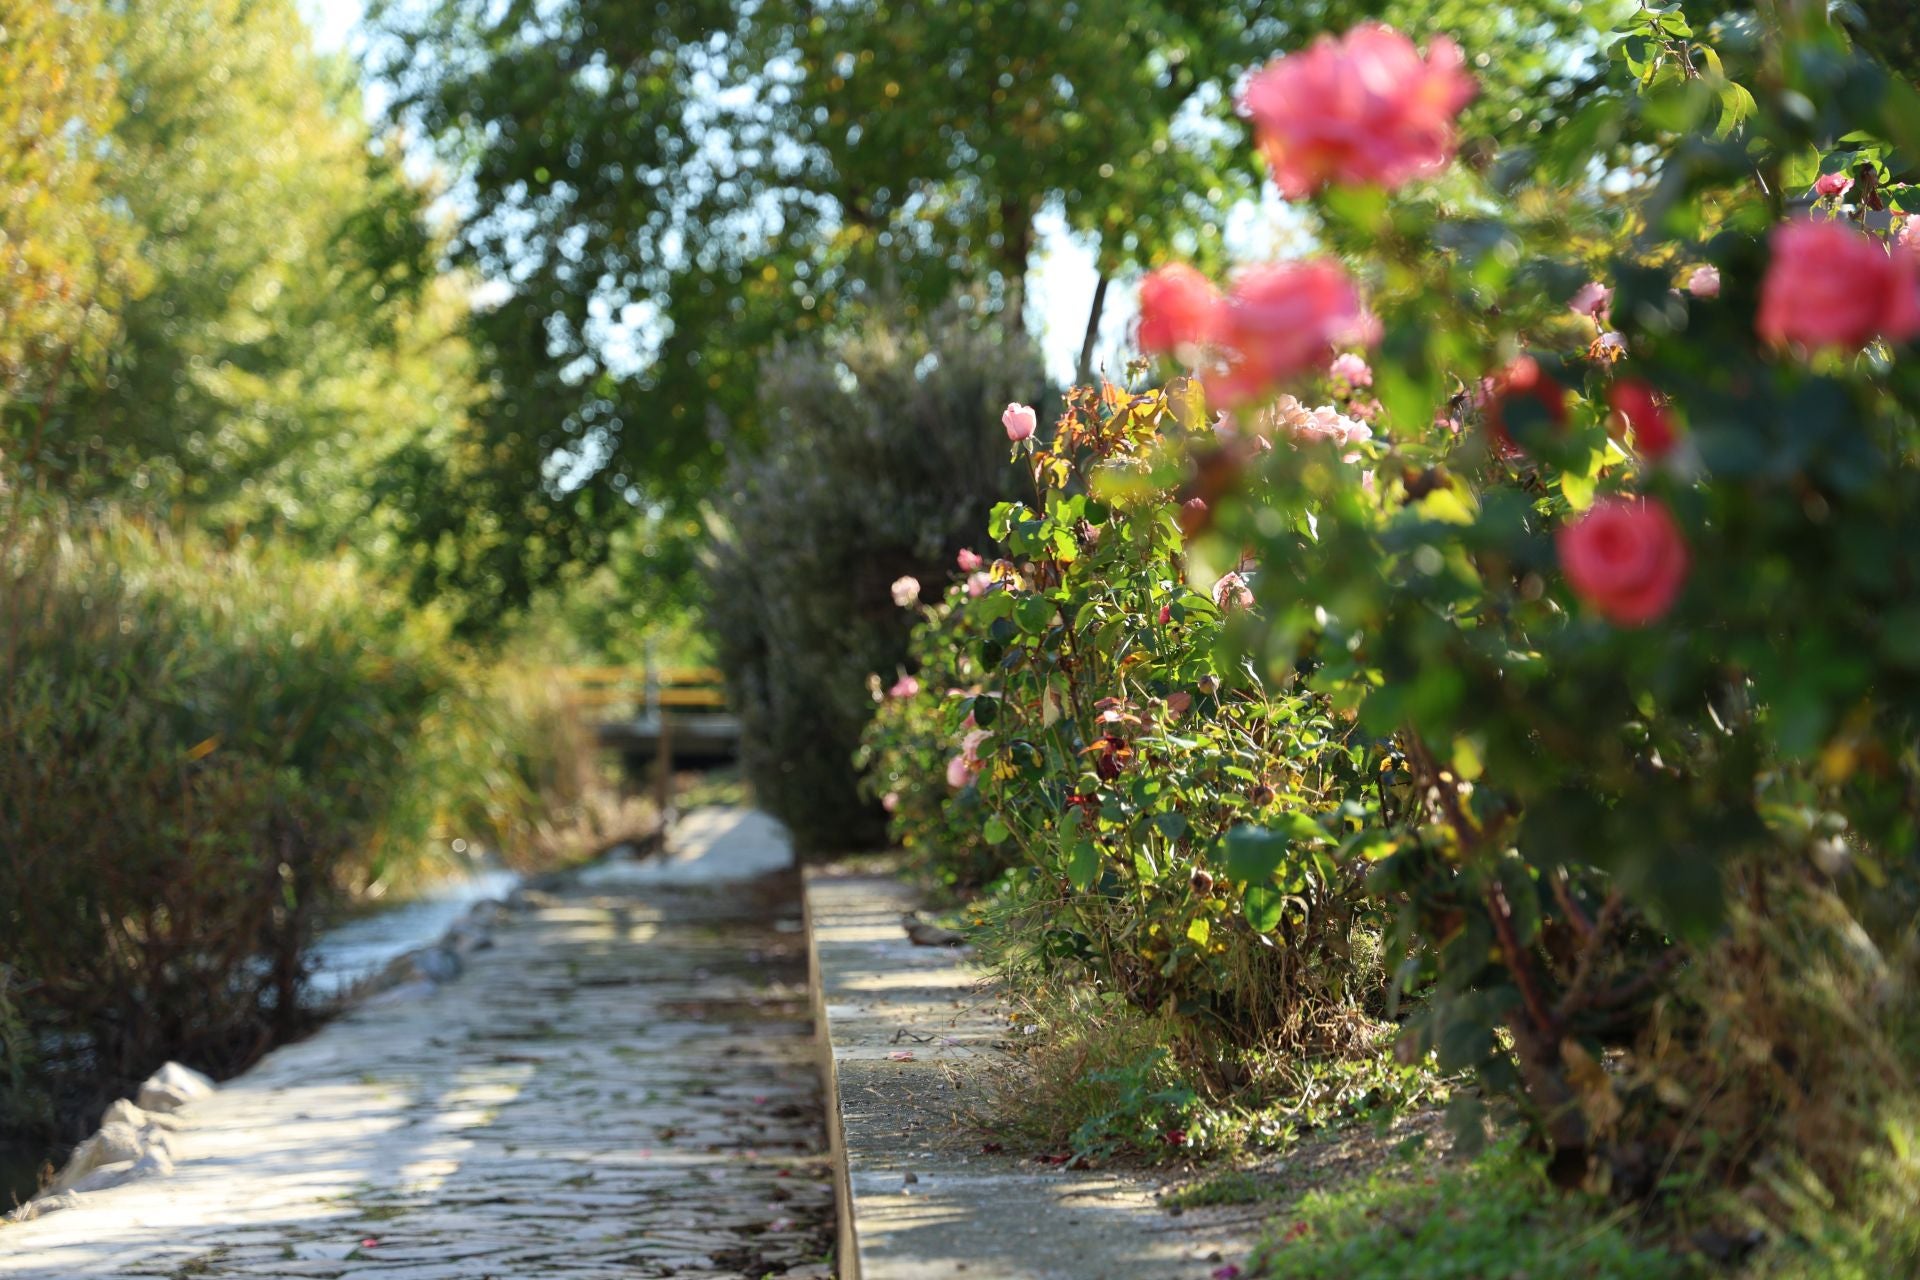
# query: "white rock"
124 1112
44 1205
105 1176
172 1087
155 1162
117 1143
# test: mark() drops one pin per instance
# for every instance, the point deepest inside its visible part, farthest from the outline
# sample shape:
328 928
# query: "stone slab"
919 1198
622 1087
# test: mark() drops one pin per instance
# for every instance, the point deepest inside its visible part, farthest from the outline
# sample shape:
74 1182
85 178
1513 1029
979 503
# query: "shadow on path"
622 1086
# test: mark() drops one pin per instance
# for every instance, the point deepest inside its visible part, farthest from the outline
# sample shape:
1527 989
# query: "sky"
1060 291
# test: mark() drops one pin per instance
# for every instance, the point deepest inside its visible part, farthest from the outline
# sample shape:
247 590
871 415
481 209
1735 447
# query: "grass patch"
1235 1186
1873 1235
1491 1220
1094 1076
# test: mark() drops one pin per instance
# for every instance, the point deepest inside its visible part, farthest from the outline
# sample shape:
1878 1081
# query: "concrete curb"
846 1251
907 1037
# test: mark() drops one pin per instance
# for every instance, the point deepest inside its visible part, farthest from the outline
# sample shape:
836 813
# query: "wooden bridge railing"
646 711
644 690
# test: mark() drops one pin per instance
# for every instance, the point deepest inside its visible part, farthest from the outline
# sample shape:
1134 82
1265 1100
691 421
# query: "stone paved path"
622 1086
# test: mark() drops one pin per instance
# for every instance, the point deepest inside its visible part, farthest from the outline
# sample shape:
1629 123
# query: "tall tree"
663 190
66 256
296 362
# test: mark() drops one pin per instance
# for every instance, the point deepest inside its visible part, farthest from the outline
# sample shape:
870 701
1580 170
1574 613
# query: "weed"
1497 1217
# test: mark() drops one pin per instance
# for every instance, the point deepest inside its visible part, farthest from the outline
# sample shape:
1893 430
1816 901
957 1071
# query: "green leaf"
1577 489
1083 862
1263 907
995 832
1171 825
1034 614
993 606
1253 854
1199 931
1467 1122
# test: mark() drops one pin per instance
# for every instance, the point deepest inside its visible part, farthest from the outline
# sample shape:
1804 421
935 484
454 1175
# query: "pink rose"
1828 285
1179 307
1232 592
904 687
1908 237
906 590
1282 319
977 584
1324 423
1833 184
968 560
1019 420
1704 282
1592 299
1626 558
1351 370
1635 404
960 772
1365 108
890 801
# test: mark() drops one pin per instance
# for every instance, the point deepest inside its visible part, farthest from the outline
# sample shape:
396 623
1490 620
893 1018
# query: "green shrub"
1111 755
882 458
1583 664
201 751
904 752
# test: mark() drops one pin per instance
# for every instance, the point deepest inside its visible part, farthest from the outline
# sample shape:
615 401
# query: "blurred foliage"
665 191
66 257
289 346
201 752
882 451
294 359
1890 29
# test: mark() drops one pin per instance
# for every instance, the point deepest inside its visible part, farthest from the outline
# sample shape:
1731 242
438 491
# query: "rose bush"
1089 733
1622 578
911 761
1586 634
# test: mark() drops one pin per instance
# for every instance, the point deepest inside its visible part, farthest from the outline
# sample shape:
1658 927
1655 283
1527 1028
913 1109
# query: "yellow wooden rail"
638 675
667 688
614 696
